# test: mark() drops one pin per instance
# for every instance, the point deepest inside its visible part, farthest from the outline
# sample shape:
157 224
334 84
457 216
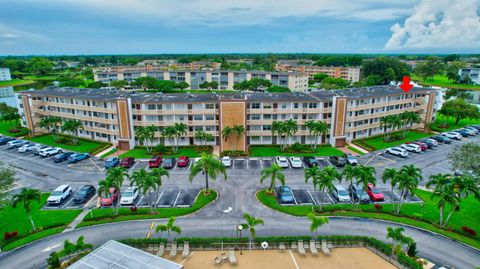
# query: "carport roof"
115 255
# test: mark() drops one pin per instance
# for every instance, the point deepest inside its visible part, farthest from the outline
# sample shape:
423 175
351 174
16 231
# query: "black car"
338 161
62 157
427 142
358 193
84 194
442 139
168 163
310 161
5 140
463 132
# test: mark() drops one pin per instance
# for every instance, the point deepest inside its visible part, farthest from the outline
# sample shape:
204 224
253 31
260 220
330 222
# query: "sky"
72 27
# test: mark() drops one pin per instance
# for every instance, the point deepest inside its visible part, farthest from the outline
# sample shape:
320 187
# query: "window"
255 117
209 106
267 116
295 105
197 117
312 105
255 105
209 117
267 106
267 127
151 106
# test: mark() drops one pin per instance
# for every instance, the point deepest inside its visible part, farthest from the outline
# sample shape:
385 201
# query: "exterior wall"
233 113
338 138
5 74
349 73
473 73
126 138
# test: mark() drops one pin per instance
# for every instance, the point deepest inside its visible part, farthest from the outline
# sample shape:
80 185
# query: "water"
7 96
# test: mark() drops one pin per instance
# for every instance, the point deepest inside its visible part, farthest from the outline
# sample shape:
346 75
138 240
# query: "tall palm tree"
72 127
210 166
157 174
291 127
323 179
413 118
318 130
273 172
117 174
144 181
250 224
239 131
386 124
169 227
52 124
278 129
140 134
365 175
445 193
408 180
104 187
317 221
349 173
149 137
397 237
312 173
180 131
26 197
169 133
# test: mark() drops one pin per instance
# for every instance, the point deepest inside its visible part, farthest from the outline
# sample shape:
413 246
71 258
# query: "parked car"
155 162
442 139
76 157
129 196
226 161
62 157
476 127
374 193
464 132
429 142
26 148
183 161
475 130
84 194
59 194
127 162
37 150
350 159
111 162
310 161
281 161
285 195
411 148
452 135
338 161
107 199
358 194
49 152
4 140
397 151
470 131
16 144
169 163
296 162
423 147
341 194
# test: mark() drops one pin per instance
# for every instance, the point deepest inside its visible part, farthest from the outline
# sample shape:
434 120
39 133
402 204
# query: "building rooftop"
115 255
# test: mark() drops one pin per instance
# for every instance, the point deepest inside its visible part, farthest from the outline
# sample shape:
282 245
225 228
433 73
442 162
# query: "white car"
129 196
341 194
17 143
453 135
59 194
27 148
397 151
49 152
295 162
471 130
227 161
433 141
38 148
412 147
281 161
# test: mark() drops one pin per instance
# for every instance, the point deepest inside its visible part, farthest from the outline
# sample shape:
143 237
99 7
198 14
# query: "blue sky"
212 26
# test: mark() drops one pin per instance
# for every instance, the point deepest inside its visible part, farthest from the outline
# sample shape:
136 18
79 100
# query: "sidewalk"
76 221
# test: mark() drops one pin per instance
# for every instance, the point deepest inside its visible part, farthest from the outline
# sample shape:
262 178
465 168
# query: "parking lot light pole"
240 228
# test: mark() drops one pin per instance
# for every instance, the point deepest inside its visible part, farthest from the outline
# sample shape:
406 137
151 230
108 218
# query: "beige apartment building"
110 115
194 77
346 72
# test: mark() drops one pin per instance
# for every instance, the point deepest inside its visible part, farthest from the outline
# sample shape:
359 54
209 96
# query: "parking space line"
99 169
90 201
328 195
71 198
311 196
160 196
135 165
233 163
176 199
261 163
247 161
294 199
141 198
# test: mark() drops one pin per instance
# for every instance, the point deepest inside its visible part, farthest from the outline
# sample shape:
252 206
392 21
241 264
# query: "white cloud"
9 34
439 24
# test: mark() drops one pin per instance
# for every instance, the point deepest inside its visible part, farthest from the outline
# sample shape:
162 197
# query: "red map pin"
406 86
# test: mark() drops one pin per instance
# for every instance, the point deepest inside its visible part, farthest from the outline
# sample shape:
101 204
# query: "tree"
398 239
317 130
452 70
323 179
157 174
173 133
275 88
169 227
349 173
274 172
459 109
53 261
182 85
72 127
119 83
250 224
209 85
145 82
52 124
429 68
445 193
203 137
26 197
233 134
164 85
7 179
40 66
365 175
114 180
334 83
319 77
466 158
406 181
145 183
379 70
317 221
210 166
150 137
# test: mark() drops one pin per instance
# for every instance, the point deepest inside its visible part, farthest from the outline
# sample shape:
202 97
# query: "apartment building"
194 77
5 74
346 72
473 73
111 115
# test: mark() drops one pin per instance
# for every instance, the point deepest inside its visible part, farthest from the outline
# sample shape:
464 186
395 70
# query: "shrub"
232 153
19 131
378 206
133 208
412 250
9 235
469 231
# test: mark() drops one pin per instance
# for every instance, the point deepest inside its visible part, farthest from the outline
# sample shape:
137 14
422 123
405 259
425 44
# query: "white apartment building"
473 73
5 74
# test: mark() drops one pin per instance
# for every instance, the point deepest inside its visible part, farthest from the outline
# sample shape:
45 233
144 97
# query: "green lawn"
15 82
443 81
412 214
355 150
84 146
49 77
377 141
109 153
450 121
16 219
105 215
271 151
7 125
141 153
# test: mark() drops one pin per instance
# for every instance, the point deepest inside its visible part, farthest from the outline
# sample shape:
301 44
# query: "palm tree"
233 133
52 124
392 175
117 174
180 130
72 127
149 137
169 227
278 129
239 131
386 124
144 181
140 134
398 239
317 221
169 133
323 179
413 118
291 128
312 173
104 187
365 175
316 129
26 197
274 172
203 137
210 166
349 173
408 180
250 224
445 193
157 174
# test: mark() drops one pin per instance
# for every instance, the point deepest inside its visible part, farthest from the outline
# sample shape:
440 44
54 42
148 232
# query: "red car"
155 162
374 193
127 162
108 199
183 161
422 145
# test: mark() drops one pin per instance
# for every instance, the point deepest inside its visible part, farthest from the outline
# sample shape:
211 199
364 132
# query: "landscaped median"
421 215
140 152
377 142
105 215
294 150
63 141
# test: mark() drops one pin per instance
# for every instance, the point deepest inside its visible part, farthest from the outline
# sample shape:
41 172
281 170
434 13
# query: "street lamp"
240 228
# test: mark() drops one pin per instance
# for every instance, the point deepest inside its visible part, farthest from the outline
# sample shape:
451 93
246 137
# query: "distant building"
5 74
473 73
345 72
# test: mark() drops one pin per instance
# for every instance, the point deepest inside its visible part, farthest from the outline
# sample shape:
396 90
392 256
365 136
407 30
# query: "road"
237 195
